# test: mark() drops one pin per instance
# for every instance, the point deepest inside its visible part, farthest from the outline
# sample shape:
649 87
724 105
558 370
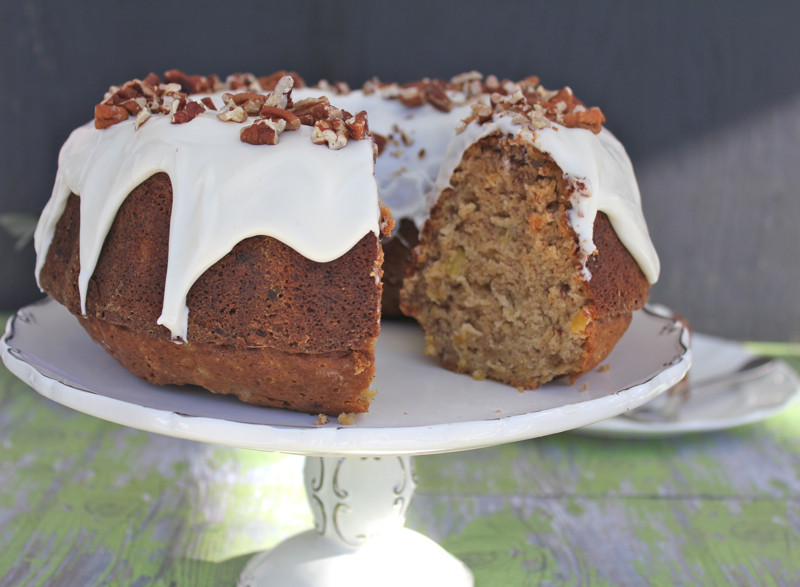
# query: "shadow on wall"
723 211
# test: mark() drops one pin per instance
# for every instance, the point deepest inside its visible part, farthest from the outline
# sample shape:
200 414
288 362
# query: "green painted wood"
87 502
714 509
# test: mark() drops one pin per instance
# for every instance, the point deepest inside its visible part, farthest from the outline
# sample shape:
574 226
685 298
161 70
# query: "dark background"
705 96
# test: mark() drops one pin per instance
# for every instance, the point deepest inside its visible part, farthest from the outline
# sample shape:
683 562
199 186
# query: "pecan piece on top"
189 112
132 106
274 113
281 96
412 94
331 131
243 81
106 115
358 126
591 119
436 96
236 114
269 82
305 109
262 132
250 102
380 142
191 84
152 80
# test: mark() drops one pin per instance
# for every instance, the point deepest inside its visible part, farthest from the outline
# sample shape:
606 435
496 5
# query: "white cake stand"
359 478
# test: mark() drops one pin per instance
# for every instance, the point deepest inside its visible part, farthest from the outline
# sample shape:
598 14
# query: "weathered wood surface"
86 502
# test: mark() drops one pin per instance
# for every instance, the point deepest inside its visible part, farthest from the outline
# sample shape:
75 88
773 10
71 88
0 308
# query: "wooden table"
87 502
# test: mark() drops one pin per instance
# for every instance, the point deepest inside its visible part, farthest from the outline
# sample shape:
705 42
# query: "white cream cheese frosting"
318 201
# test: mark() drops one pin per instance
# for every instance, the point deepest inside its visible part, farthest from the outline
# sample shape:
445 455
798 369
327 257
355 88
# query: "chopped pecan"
332 131
141 118
250 102
331 112
132 106
281 96
169 88
189 112
243 81
431 91
191 84
380 142
208 103
175 103
262 132
106 115
482 112
436 96
358 126
305 109
492 83
371 86
339 88
466 78
152 80
412 95
269 82
274 113
591 119
387 221
171 102
236 114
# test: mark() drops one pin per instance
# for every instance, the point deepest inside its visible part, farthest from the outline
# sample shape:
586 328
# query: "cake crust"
265 323
329 383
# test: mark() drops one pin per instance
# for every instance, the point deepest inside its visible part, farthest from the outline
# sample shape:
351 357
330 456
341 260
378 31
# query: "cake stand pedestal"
359 506
359 479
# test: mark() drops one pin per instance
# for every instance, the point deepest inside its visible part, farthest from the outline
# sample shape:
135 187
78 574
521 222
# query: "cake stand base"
405 558
359 506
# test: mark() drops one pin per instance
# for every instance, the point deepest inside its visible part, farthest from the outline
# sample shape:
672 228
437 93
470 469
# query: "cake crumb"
321 420
603 368
585 387
347 419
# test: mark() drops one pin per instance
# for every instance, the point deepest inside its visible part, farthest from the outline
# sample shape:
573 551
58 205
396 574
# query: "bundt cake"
204 234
